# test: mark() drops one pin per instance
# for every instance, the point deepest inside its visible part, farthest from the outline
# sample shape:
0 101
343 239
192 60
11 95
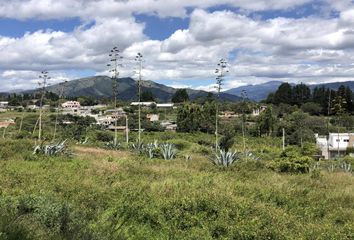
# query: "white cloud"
313 48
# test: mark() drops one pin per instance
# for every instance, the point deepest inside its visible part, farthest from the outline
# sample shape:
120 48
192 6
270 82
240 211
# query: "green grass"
100 194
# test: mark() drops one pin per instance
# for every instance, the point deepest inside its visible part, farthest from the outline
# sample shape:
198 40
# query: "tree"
266 122
194 118
300 94
312 108
147 96
283 94
180 96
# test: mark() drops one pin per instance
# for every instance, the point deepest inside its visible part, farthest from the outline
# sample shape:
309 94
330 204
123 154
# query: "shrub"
225 158
292 161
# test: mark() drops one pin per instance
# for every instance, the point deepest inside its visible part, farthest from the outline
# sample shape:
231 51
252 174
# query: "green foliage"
12 149
180 96
292 161
227 141
265 122
147 96
194 118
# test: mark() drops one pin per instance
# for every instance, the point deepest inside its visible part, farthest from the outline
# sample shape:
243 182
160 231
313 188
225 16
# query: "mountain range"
101 87
260 92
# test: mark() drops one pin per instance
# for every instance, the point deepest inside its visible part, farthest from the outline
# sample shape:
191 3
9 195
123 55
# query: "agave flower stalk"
139 60
42 85
220 71
115 58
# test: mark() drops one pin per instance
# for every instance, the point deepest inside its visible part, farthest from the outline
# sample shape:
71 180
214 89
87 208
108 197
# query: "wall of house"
341 141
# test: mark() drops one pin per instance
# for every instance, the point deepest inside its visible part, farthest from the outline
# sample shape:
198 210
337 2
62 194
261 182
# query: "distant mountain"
260 92
334 85
101 87
256 92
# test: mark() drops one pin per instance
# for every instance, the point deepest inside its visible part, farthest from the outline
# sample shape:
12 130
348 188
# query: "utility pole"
42 85
139 60
220 71
115 59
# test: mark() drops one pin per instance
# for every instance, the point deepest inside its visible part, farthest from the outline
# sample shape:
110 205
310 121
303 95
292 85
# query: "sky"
310 41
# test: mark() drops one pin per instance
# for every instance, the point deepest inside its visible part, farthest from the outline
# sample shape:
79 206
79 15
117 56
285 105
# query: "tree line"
327 101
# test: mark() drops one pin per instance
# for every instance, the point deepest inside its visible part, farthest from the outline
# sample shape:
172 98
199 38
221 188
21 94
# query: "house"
4 105
118 128
164 105
152 117
6 123
259 110
71 105
335 145
144 104
116 113
32 107
169 125
228 115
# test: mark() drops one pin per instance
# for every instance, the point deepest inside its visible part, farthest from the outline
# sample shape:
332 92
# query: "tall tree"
283 94
180 96
147 96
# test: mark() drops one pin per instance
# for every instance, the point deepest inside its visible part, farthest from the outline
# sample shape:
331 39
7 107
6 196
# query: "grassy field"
103 194
96 193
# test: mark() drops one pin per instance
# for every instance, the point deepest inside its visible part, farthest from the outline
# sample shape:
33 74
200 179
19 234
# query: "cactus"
168 151
223 158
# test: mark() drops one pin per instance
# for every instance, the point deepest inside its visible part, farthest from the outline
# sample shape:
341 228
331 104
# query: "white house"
145 104
152 117
259 110
4 104
71 105
164 105
335 145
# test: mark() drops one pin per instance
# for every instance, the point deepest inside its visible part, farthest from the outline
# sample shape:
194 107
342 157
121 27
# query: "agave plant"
138 147
113 146
347 167
51 149
225 158
83 142
168 151
315 167
250 155
151 149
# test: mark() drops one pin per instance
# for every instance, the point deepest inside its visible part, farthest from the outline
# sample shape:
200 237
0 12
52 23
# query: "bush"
15 149
291 161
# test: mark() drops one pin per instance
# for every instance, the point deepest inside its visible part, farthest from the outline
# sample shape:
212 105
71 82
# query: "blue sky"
305 40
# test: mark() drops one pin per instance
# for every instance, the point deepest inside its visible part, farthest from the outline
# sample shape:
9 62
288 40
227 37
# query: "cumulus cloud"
308 49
